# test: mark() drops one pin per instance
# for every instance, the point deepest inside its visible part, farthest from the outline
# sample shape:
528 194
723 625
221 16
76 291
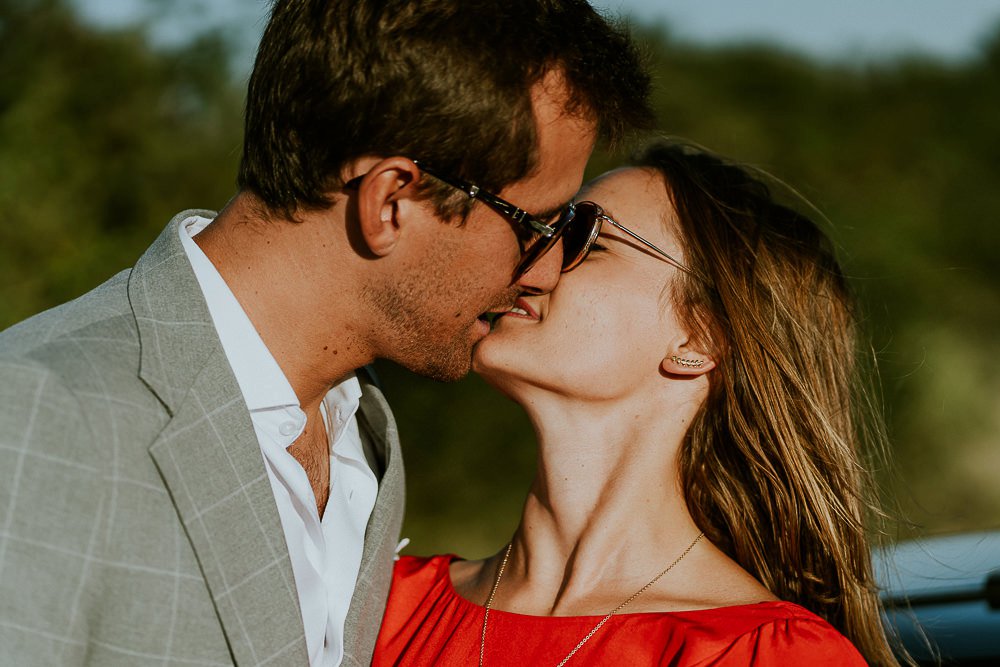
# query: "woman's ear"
379 192
685 359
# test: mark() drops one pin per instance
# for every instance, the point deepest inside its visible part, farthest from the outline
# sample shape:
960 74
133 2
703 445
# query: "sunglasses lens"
579 232
533 251
576 228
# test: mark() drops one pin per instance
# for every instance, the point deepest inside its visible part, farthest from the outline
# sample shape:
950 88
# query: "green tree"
102 140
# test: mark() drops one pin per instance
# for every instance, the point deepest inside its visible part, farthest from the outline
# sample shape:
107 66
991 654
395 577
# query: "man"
192 470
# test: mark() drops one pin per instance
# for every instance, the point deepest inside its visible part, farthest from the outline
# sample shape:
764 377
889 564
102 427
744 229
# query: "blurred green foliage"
103 139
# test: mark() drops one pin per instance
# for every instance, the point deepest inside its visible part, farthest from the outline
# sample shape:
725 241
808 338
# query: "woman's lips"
522 310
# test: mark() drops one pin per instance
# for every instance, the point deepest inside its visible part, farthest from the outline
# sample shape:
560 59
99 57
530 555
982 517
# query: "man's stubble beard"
409 339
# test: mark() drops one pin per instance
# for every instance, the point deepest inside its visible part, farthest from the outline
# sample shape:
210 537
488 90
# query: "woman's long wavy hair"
774 466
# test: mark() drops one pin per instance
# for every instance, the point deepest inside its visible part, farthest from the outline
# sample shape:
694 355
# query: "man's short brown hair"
445 81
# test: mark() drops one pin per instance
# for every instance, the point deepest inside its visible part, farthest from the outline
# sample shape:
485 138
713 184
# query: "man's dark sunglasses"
535 236
582 224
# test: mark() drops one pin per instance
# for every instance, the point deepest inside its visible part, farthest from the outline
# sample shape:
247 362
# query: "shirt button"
287 428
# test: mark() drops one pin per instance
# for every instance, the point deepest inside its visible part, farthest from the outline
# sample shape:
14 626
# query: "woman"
699 498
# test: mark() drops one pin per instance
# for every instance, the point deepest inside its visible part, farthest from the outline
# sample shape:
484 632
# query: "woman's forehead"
633 196
625 184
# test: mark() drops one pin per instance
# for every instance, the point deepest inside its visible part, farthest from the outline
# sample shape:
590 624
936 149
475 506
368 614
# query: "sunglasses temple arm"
518 215
648 244
515 214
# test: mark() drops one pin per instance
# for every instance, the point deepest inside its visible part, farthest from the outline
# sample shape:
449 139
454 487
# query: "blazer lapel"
378 428
387 516
211 462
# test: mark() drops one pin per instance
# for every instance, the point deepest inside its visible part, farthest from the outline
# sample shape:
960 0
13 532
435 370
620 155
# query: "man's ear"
685 358
379 193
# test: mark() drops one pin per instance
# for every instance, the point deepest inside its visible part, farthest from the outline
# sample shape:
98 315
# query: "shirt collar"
342 403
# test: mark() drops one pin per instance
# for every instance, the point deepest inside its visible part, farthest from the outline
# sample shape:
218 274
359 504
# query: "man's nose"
544 275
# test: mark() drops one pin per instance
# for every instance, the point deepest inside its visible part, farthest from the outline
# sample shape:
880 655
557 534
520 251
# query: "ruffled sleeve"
792 641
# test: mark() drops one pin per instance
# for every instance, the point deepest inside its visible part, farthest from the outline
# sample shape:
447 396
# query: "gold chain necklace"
496 584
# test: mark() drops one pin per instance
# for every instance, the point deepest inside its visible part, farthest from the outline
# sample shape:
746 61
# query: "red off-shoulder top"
428 623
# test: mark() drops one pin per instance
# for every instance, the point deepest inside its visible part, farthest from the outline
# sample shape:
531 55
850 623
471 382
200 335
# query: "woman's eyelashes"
601 243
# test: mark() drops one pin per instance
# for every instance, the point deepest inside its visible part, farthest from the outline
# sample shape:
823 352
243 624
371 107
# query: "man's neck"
295 289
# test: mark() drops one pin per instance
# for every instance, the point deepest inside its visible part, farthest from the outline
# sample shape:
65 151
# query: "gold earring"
687 363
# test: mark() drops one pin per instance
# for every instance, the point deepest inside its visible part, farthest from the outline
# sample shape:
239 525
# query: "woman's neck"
605 512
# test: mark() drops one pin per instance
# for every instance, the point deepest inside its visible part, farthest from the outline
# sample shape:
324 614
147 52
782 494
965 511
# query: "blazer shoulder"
70 376
41 415
102 312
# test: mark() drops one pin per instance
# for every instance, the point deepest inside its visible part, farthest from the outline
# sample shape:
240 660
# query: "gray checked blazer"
137 524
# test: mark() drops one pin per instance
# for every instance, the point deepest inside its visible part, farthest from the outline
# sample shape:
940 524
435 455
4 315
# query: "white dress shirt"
325 554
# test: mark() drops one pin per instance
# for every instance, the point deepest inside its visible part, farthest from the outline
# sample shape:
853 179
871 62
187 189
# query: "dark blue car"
942 597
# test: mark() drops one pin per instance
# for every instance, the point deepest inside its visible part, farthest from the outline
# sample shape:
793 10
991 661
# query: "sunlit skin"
379 275
448 276
591 364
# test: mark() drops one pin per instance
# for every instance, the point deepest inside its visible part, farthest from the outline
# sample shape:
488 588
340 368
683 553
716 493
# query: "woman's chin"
482 358
491 360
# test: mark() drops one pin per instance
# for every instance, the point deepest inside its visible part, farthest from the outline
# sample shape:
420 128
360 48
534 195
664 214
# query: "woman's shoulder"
777 633
421 571
419 583
422 605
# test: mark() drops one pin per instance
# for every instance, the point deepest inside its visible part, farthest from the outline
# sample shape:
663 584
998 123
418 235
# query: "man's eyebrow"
553 212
